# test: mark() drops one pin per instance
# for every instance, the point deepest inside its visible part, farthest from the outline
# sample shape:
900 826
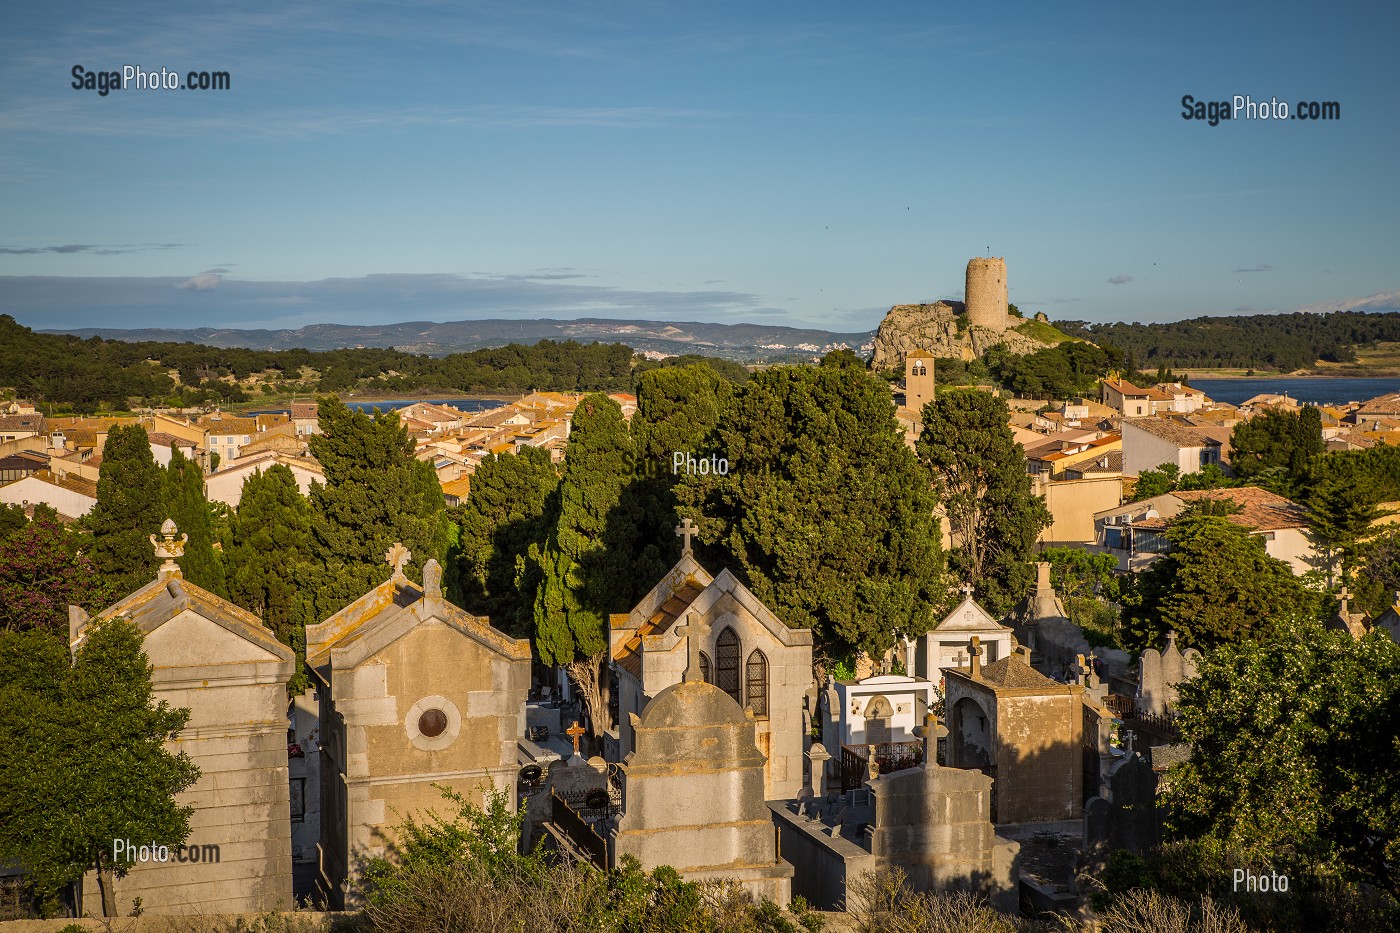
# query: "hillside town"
1017 737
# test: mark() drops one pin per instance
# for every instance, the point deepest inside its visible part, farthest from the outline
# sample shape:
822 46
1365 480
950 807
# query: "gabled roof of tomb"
967 616
391 610
629 656
166 597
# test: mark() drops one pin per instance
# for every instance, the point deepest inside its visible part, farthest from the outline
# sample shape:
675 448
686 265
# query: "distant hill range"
740 342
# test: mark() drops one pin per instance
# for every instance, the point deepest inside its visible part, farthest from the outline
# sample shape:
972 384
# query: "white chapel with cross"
945 646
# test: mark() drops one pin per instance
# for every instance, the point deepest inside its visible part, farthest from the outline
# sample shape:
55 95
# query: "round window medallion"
432 723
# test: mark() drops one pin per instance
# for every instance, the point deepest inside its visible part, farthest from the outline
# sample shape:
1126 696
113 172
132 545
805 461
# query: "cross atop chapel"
398 557
685 530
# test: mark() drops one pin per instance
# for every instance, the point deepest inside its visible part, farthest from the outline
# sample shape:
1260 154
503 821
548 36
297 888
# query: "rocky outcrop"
942 329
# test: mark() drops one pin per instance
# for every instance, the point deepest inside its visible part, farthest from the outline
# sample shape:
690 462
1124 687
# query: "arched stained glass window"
756 683
705 672
727 665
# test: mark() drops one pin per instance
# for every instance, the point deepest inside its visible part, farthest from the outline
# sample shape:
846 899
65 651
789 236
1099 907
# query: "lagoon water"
1316 391
461 404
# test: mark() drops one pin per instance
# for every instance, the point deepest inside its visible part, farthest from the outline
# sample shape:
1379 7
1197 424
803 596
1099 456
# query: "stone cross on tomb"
1344 595
974 651
685 531
398 557
693 630
574 732
960 657
966 590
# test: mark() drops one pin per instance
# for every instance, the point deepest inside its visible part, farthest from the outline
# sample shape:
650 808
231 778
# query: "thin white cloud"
1262 267
92 249
1380 301
202 282
1119 279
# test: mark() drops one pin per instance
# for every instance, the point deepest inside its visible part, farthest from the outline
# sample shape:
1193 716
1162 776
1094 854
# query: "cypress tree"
188 505
582 580
130 508
375 494
983 485
269 548
503 516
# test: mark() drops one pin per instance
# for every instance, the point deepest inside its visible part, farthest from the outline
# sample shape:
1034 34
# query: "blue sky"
790 163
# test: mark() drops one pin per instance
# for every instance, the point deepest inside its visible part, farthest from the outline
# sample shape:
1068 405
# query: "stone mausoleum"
414 692
219 662
745 651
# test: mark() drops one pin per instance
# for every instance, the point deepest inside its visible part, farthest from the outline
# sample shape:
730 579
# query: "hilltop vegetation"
1282 342
112 374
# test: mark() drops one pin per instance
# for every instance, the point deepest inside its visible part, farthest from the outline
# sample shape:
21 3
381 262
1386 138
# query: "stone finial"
872 764
967 590
432 580
169 549
974 651
685 531
398 557
1042 577
693 630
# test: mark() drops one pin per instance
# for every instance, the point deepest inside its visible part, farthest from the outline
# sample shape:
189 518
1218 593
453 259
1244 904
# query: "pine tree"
825 512
375 494
268 552
982 482
130 508
188 506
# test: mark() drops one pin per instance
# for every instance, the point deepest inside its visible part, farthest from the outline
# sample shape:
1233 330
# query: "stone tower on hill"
986 296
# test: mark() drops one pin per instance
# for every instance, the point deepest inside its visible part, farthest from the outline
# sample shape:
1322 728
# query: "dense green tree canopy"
187 504
1295 753
1064 370
83 758
1282 342
1216 586
582 579
131 497
43 570
1168 478
93 373
269 554
1277 446
825 512
984 489
375 494
503 516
